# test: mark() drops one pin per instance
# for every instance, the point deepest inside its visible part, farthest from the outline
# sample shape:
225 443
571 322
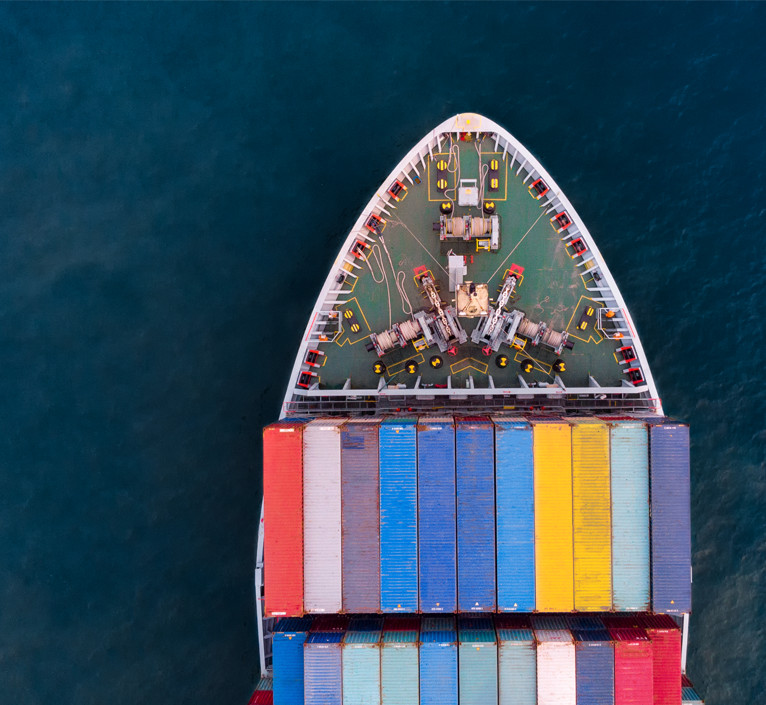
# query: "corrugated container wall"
322 668
666 662
632 667
361 662
476 514
399 667
437 536
591 511
629 453
398 516
477 661
556 672
554 568
283 518
671 529
516 665
322 516
515 499
438 661
287 660
360 513
594 660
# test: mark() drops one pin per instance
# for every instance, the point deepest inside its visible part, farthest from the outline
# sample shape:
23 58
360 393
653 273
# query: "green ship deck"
552 290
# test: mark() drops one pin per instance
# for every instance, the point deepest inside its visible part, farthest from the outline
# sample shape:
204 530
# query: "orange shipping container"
283 518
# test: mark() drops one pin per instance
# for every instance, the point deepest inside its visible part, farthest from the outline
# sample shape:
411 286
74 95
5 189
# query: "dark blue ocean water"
174 182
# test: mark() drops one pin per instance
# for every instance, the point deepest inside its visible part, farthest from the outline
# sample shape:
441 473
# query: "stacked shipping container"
633 676
322 570
399 661
360 516
671 537
554 568
361 661
438 661
629 456
515 500
287 658
398 516
588 660
556 671
477 661
516 662
394 517
475 469
283 517
591 513
437 558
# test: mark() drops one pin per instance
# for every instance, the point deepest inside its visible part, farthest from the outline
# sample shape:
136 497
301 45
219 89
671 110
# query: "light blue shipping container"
477 661
322 667
399 668
398 516
475 469
516 666
515 488
437 531
438 661
287 659
361 662
629 457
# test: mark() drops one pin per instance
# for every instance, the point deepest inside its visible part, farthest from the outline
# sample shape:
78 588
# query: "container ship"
472 494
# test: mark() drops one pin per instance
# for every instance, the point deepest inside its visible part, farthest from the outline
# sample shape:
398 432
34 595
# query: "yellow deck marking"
520 356
490 195
573 330
347 339
469 363
392 369
442 197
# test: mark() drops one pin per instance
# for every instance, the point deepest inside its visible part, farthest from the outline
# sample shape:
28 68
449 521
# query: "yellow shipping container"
554 571
592 516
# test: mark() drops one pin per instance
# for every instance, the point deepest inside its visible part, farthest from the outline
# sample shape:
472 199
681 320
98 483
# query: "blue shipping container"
438 662
629 458
398 516
476 515
360 517
671 521
516 667
514 468
322 683
594 664
399 668
437 537
287 659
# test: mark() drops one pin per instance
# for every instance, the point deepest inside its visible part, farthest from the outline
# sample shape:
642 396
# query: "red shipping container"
262 697
283 518
666 648
633 677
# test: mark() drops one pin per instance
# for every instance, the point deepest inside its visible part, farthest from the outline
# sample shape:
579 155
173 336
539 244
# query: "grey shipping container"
360 517
322 669
671 529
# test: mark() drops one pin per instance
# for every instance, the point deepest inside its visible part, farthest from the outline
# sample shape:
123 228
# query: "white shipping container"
322 568
556 675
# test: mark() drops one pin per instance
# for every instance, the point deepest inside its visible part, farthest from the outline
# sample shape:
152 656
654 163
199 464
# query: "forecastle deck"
366 345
